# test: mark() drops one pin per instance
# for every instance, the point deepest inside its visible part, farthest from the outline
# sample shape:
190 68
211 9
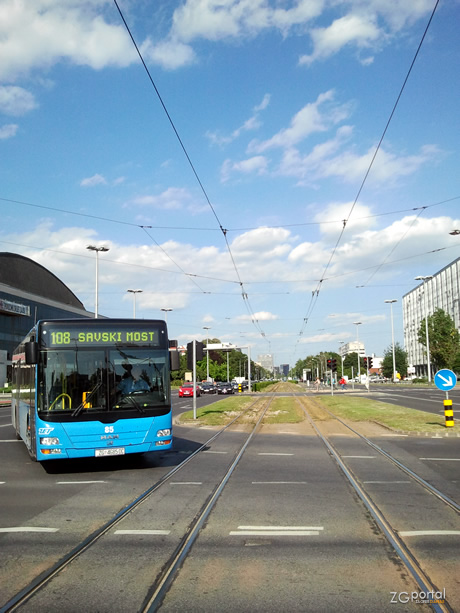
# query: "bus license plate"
110 451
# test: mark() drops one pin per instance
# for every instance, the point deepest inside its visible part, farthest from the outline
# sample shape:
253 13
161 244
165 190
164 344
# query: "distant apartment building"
284 370
266 361
352 347
442 292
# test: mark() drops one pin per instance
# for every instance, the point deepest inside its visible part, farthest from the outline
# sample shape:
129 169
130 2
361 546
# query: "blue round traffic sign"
445 379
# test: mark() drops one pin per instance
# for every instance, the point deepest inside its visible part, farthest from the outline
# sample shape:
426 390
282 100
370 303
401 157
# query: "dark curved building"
29 292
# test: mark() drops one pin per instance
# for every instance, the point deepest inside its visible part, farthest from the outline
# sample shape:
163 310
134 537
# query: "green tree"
400 360
444 339
351 362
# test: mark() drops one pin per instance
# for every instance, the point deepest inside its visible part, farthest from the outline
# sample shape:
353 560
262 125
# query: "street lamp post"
341 343
97 250
390 302
358 323
425 279
166 311
207 352
134 292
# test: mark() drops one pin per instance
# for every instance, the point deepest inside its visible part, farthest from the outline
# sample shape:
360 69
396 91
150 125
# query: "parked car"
186 390
225 388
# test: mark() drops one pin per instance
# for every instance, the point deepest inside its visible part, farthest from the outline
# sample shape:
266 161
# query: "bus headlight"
165 432
49 441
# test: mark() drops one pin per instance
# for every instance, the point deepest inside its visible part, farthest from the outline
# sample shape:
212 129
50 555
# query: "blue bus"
93 388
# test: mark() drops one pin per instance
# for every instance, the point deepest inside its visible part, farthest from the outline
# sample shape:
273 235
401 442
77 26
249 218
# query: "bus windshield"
84 382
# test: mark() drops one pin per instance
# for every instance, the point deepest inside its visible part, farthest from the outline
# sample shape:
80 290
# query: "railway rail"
161 565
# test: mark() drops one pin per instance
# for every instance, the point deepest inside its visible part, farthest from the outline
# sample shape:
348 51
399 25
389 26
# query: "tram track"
161 582
404 552
168 567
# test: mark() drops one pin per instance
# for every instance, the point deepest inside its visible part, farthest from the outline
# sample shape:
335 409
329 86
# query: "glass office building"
442 292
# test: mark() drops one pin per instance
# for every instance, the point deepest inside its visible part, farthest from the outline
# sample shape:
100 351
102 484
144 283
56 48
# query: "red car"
186 390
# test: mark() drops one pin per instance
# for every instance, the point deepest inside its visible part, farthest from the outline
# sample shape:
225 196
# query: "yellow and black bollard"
449 413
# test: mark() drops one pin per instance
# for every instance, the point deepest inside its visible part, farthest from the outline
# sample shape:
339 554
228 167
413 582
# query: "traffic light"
365 362
199 353
369 362
334 364
329 363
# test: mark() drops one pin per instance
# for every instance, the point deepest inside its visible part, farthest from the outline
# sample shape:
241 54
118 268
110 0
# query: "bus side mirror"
174 359
31 352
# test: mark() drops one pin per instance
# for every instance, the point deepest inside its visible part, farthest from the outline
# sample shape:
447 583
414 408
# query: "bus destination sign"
86 337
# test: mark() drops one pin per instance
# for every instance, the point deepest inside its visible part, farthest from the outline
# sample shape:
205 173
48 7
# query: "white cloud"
260 316
348 29
170 54
220 19
253 123
16 101
36 35
93 181
172 198
387 167
316 116
333 215
8 130
257 164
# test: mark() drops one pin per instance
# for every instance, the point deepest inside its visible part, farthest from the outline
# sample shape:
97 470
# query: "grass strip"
218 413
284 410
389 415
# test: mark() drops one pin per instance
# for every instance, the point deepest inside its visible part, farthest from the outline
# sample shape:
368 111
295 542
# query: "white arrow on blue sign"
445 379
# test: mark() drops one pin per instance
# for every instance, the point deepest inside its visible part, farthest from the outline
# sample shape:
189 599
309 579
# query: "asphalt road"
339 561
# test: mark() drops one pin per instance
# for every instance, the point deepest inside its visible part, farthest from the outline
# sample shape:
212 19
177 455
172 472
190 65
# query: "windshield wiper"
135 403
79 409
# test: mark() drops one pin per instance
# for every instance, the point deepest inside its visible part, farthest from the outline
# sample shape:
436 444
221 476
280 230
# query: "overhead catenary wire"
315 293
223 230
203 229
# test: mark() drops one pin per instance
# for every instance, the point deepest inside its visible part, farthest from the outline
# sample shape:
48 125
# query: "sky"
272 170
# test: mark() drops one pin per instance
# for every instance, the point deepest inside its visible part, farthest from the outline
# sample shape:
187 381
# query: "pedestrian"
343 384
317 383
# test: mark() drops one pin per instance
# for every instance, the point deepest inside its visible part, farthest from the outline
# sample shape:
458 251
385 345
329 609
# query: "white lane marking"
5 425
387 482
429 532
442 459
361 457
11 440
403 397
211 451
276 531
394 435
28 529
185 483
286 528
275 454
279 482
161 532
2 482
78 482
